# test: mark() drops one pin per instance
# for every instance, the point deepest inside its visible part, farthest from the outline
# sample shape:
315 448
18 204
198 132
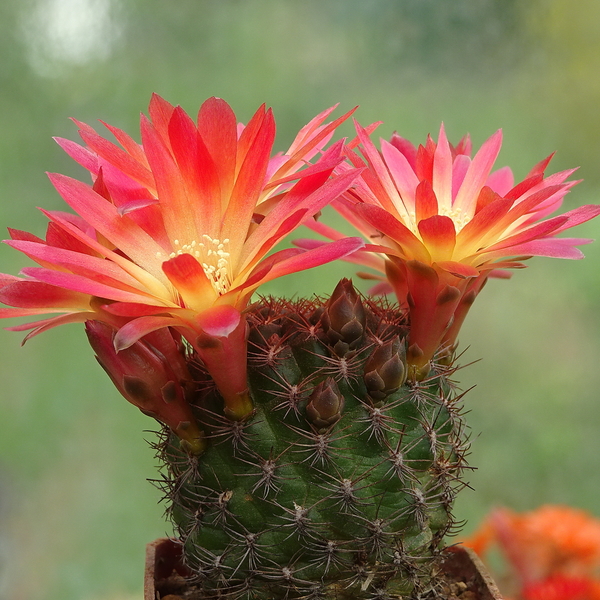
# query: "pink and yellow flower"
443 222
175 232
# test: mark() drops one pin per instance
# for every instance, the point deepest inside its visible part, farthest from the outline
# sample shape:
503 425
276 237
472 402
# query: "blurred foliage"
565 65
75 510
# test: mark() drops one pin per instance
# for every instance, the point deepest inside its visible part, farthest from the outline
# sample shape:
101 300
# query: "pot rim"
163 556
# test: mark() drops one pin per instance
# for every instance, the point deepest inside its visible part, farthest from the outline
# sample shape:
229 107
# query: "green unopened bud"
325 405
344 318
385 369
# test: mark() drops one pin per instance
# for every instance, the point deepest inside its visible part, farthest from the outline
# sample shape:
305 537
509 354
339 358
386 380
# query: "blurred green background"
75 506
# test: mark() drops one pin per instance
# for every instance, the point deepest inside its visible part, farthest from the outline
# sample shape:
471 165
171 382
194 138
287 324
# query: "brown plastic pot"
164 578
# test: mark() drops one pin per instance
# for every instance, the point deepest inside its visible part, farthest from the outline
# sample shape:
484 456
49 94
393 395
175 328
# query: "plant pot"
462 566
465 575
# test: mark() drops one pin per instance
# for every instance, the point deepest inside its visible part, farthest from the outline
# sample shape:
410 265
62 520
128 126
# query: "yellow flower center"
212 255
456 214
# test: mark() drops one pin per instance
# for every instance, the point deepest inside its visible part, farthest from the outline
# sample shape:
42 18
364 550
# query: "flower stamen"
212 256
457 215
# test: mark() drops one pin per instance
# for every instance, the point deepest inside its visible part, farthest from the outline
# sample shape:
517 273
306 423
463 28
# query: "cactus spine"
341 482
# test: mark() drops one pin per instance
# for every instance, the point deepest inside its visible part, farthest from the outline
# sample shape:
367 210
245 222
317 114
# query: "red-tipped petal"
217 126
41 326
128 143
407 149
477 174
426 204
160 112
439 236
132 309
247 135
105 218
541 166
290 224
401 170
35 294
82 264
424 161
378 177
475 233
313 258
68 223
523 186
442 171
365 258
249 183
85 285
119 158
17 234
59 238
531 205
305 199
458 269
177 210
330 159
199 173
219 321
387 224
308 131
130 333
486 196
310 140
190 280
88 160
541 230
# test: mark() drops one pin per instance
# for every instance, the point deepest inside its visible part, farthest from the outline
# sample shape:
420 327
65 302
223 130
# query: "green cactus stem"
340 484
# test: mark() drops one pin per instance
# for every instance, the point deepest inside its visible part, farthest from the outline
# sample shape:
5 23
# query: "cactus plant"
311 448
341 482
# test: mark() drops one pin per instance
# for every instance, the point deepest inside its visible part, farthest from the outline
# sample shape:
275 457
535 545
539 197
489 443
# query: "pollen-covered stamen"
213 256
216 262
458 216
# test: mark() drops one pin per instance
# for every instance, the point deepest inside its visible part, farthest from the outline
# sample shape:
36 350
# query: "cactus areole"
340 483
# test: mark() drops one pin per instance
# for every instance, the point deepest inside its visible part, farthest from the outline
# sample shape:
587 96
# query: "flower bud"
325 405
385 369
152 375
344 318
